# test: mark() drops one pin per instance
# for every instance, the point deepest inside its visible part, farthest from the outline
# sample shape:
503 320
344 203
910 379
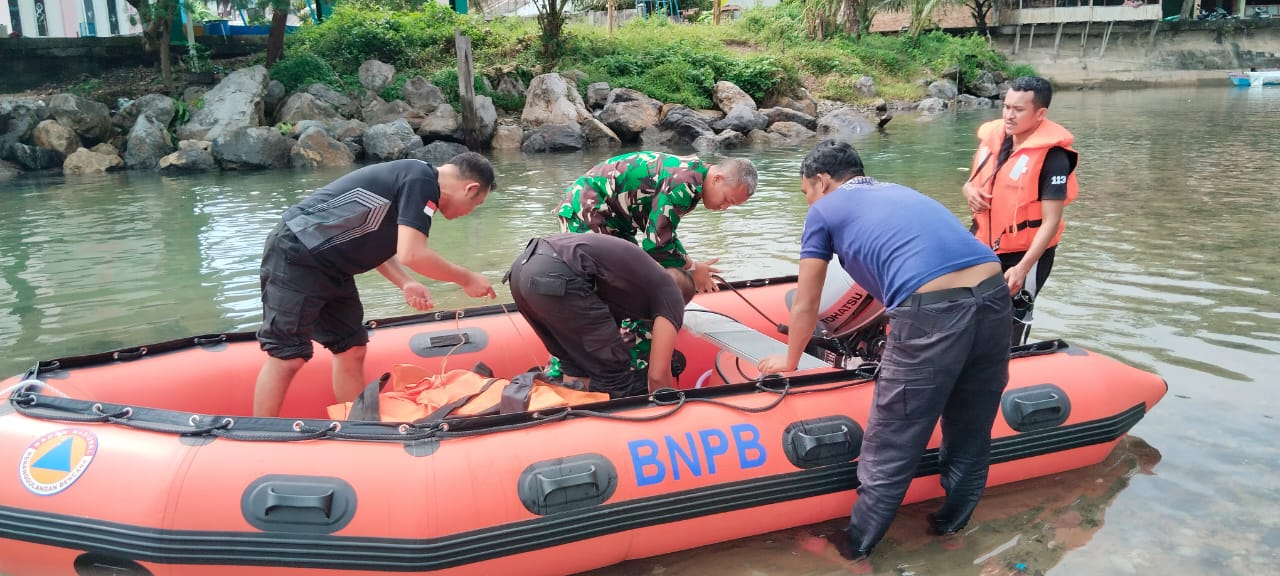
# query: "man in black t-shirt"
1023 176
577 289
375 218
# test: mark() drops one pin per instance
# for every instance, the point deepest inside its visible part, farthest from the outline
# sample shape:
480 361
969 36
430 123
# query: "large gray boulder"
444 123
315 148
377 111
236 102
345 106
350 129
722 141
423 96
272 99
740 112
778 114
391 141
553 138
844 124
376 75
628 112
487 115
598 95
943 90
507 137
791 132
85 161
34 157
192 157
18 117
252 148
985 86
303 106
54 136
159 106
147 143
596 135
655 138
685 124
932 105
553 100
90 120
437 153
800 102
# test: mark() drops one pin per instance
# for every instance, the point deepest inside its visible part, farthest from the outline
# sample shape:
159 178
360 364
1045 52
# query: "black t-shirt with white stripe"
351 223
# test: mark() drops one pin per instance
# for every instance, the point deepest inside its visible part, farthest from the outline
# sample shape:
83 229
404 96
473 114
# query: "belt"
927 298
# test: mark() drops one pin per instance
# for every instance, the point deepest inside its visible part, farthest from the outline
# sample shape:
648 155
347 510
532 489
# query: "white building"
68 18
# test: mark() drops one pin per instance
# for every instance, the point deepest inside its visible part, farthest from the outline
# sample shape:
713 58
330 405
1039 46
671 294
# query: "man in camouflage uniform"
649 192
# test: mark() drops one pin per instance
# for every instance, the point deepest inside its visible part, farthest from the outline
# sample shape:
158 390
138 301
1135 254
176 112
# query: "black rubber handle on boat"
549 485
280 502
809 442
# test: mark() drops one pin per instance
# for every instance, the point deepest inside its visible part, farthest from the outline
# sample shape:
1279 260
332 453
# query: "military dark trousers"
573 322
947 356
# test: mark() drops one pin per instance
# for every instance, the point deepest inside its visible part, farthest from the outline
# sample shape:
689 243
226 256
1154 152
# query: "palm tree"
921 12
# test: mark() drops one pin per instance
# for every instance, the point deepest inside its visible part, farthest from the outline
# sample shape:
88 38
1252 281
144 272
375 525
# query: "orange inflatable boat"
145 461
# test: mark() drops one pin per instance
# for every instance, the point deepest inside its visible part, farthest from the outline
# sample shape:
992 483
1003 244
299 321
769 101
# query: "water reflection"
1026 527
1168 263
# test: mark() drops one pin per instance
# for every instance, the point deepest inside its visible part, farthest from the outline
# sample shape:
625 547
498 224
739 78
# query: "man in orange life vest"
1023 176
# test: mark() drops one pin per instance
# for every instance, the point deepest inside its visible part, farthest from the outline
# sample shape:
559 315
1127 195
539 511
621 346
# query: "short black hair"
1041 89
473 166
835 158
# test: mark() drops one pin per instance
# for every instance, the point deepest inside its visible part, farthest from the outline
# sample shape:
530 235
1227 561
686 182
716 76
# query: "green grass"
766 52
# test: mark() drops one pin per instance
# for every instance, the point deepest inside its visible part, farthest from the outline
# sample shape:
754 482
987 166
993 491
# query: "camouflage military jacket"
637 192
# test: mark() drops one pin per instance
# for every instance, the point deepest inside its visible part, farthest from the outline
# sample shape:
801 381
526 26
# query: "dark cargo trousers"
573 322
947 356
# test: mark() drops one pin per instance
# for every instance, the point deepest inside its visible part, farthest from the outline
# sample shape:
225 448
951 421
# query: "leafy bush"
363 30
301 69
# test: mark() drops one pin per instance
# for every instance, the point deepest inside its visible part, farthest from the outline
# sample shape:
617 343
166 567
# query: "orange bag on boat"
408 393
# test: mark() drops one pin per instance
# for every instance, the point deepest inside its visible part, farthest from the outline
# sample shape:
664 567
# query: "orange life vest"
408 393
1014 218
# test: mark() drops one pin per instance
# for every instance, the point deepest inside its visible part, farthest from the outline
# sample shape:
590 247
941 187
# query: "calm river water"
1169 263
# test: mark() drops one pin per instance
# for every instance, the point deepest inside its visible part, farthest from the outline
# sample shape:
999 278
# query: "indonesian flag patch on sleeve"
430 210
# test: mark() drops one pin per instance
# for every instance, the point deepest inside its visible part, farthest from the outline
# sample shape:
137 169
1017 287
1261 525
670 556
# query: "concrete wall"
32 62
1188 53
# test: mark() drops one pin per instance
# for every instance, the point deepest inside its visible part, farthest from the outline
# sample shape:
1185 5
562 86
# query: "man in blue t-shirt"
375 218
947 353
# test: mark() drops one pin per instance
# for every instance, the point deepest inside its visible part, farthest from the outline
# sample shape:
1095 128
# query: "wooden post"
715 12
1031 39
467 91
613 14
1151 40
1084 36
1057 41
1017 38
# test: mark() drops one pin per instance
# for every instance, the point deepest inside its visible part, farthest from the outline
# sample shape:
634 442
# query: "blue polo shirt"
890 238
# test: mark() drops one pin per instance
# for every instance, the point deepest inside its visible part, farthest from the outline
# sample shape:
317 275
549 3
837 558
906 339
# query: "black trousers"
947 359
573 322
1022 309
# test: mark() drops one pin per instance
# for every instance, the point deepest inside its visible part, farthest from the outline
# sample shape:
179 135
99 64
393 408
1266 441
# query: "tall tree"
551 21
921 12
981 10
157 19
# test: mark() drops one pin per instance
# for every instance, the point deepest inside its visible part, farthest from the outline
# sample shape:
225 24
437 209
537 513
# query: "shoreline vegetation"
372 84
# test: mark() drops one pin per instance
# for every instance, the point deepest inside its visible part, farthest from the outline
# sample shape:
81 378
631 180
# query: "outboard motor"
851 323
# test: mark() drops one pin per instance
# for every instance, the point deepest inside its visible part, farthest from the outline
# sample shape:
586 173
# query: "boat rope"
514 326
720 279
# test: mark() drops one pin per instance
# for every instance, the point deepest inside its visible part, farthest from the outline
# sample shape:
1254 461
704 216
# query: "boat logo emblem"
56 460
